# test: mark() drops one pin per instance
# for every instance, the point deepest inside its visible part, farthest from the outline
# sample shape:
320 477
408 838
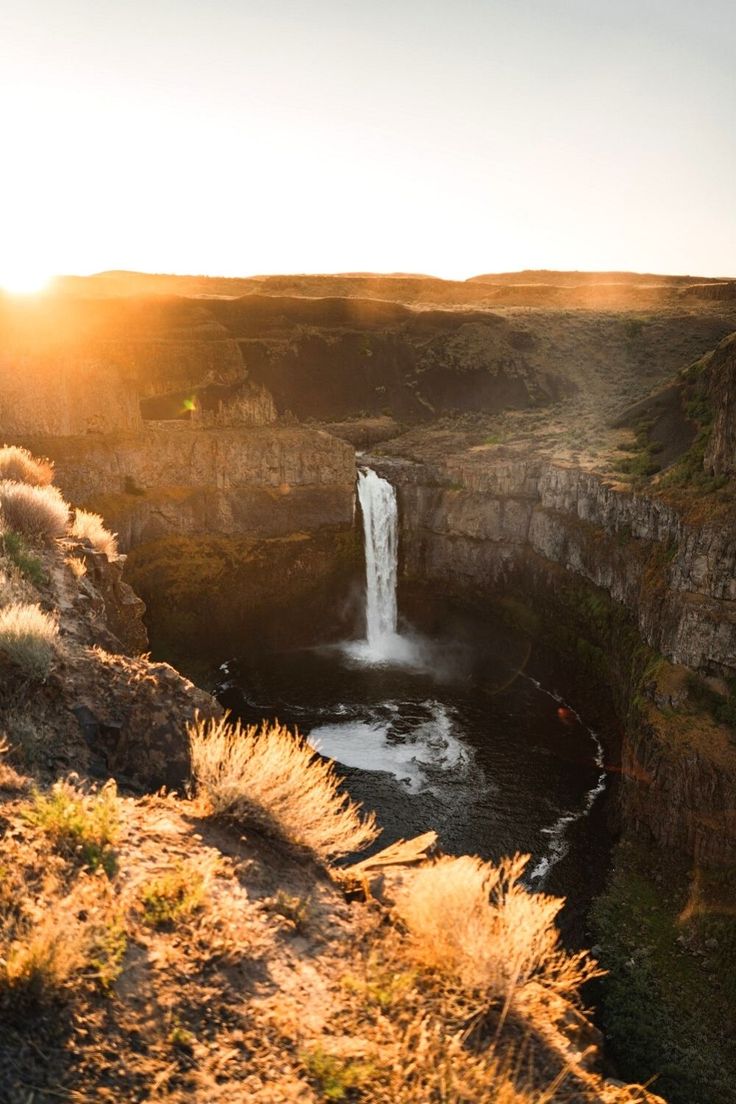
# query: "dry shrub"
91 527
50 939
37 512
18 465
28 639
77 567
475 921
271 777
433 1064
42 961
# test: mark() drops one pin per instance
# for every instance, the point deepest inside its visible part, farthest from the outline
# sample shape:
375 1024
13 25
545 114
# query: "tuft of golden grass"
270 777
18 465
77 567
41 962
81 826
476 921
51 939
28 639
175 894
36 512
91 527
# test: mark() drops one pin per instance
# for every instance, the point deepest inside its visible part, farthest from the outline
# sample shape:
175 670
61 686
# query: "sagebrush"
18 465
271 777
28 639
91 527
476 920
37 512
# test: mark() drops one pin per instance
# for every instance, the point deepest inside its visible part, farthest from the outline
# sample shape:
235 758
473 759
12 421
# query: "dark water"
462 740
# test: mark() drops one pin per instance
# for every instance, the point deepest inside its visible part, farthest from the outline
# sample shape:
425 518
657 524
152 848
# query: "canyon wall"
492 524
237 539
175 480
720 456
474 518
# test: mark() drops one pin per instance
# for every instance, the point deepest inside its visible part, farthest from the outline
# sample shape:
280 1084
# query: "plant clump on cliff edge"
31 508
19 466
28 639
91 527
37 512
475 920
271 777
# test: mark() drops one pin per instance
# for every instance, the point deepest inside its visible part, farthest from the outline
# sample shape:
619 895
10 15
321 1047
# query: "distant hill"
576 279
529 288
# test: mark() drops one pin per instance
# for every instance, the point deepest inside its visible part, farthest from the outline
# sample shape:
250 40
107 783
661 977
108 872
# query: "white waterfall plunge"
381 537
380 531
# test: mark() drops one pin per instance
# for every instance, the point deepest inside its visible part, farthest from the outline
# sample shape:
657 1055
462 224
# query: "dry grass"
28 639
91 527
176 894
42 961
82 826
52 938
44 932
271 777
36 512
18 465
77 567
476 921
403 1034
433 1064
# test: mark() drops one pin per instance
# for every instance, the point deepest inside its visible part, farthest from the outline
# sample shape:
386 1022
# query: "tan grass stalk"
271 777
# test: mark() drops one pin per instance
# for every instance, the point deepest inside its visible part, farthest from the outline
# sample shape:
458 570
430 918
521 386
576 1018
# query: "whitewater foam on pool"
413 758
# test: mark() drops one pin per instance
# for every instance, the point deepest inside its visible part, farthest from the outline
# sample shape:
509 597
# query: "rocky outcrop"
179 480
478 516
720 455
121 609
100 711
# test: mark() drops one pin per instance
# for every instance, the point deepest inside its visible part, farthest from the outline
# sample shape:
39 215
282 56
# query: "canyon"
563 454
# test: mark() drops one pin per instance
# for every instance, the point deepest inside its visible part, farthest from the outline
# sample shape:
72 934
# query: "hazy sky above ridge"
417 135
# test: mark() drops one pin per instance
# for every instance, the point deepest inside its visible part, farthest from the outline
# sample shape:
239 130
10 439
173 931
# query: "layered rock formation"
475 517
720 456
491 522
178 479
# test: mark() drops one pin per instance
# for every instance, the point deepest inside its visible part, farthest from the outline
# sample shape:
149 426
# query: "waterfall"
380 529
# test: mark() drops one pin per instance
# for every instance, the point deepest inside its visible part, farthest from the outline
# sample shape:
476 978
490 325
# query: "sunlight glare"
23 280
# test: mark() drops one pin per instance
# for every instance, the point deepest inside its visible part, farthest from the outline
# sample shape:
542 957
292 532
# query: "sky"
451 137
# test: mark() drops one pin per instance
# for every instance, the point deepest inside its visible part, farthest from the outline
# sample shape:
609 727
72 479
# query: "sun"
23 280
